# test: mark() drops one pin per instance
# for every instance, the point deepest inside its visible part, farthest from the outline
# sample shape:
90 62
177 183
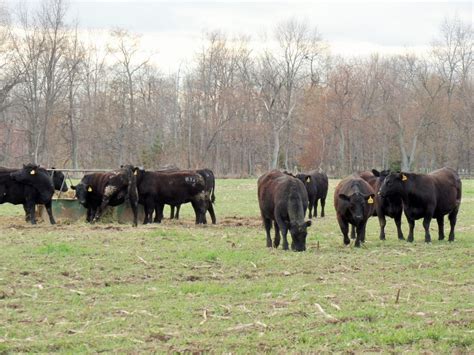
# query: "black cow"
312 190
391 206
28 186
210 182
426 196
321 181
283 199
354 203
97 191
172 188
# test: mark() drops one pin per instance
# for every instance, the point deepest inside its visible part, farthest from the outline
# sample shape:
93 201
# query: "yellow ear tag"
89 189
32 172
404 177
370 200
135 172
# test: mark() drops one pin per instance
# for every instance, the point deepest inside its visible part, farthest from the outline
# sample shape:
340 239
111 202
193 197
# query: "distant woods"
236 109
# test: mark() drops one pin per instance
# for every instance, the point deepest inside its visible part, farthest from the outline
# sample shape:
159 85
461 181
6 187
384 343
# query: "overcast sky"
174 29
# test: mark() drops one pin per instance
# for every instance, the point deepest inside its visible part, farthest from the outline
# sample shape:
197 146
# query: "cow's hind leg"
210 208
382 223
171 212
268 225
176 216
310 209
49 209
323 203
452 221
276 240
426 225
440 221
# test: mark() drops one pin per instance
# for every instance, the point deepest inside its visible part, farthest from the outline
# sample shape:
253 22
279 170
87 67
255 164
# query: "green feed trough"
70 210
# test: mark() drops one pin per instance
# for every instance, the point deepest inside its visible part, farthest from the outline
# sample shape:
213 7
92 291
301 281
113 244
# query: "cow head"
59 180
82 190
393 185
33 175
298 233
305 178
358 205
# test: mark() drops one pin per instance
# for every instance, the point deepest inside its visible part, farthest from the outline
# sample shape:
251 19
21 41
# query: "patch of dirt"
241 221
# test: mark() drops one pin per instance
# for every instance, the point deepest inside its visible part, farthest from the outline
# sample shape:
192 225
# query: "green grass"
178 287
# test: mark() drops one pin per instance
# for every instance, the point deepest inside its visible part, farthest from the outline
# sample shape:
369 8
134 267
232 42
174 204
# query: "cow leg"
148 206
171 212
134 205
158 212
426 225
382 223
344 229
176 216
360 235
210 208
268 225
48 206
276 240
452 222
27 213
30 206
283 230
89 215
353 234
440 221
310 209
198 210
398 223
315 208
411 225
323 203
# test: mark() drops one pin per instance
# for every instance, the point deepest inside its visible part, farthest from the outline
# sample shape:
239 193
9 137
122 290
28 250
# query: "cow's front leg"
344 226
30 207
426 225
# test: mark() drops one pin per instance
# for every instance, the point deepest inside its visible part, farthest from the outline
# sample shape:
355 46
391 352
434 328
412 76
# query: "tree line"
238 110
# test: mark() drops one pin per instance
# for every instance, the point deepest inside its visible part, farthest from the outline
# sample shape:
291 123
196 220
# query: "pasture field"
179 287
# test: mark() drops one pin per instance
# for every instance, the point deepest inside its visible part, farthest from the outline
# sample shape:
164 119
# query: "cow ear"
73 187
375 172
307 178
308 223
344 197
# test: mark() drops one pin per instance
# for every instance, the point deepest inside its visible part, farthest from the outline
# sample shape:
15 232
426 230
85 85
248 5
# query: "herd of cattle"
283 197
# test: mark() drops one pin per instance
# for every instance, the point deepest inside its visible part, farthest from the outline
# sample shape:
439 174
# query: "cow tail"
213 197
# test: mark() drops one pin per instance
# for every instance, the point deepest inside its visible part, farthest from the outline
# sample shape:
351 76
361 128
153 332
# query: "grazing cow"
173 188
210 182
28 186
426 196
391 206
283 199
354 203
97 191
312 190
